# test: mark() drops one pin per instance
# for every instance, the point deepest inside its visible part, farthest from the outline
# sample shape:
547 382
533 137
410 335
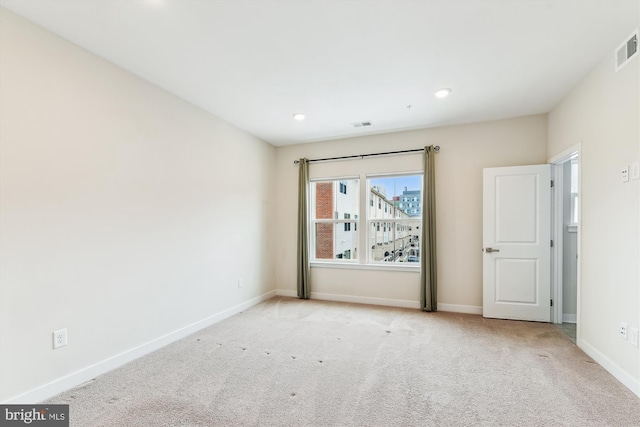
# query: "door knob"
490 250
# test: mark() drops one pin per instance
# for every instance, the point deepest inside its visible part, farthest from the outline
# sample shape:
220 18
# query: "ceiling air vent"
361 124
627 51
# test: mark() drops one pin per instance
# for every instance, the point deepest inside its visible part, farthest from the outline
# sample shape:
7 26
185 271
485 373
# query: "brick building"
389 231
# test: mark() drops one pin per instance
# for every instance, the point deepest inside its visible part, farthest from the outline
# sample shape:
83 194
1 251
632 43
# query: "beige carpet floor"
288 362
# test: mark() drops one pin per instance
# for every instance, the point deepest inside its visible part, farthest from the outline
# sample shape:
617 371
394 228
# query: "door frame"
557 223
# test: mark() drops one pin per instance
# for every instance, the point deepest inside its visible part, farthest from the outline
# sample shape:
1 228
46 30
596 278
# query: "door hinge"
551 303
552 243
552 183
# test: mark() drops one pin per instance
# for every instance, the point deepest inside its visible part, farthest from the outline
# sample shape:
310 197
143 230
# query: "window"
343 187
573 219
391 233
333 205
396 241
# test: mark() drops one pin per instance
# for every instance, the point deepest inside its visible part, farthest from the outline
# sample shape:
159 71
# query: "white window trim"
355 265
381 264
335 178
392 174
312 222
362 262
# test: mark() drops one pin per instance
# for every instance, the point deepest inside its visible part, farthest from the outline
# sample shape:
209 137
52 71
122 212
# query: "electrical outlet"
59 338
624 175
240 283
633 336
623 331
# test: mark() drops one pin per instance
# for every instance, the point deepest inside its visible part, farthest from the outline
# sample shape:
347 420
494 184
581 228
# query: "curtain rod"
362 156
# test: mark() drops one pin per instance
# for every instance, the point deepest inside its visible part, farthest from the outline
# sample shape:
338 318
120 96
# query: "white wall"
126 213
465 151
602 113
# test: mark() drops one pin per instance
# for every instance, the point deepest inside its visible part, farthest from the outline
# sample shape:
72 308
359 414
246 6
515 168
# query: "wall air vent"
361 124
627 51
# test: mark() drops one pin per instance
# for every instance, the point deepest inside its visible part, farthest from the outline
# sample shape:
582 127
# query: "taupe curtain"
303 229
428 260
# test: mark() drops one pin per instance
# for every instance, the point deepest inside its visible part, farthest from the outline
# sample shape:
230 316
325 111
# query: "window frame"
366 200
574 205
341 184
391 223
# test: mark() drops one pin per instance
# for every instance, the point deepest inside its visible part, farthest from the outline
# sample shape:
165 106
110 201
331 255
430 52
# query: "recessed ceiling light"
442 93
298 116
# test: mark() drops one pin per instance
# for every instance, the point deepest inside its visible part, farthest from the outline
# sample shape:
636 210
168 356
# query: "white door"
517 243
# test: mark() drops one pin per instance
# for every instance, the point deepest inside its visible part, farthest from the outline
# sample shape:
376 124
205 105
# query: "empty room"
319 213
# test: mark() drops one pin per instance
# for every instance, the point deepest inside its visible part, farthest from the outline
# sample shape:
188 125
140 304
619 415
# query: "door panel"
516 243
516 209
516 280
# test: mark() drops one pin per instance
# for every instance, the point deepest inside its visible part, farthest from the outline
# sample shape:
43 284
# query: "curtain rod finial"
436 148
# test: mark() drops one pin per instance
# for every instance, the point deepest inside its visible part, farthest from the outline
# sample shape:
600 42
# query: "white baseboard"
366 300
353 299
569 318
85 374
620 374
457 308
470 309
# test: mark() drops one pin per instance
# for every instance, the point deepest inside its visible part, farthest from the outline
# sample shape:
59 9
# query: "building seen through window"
393 218
394 232
335 207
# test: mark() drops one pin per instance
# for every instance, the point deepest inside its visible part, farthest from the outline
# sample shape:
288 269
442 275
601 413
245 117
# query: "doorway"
566 236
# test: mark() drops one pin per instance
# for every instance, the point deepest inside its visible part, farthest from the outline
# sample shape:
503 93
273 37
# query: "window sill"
356 266
572 228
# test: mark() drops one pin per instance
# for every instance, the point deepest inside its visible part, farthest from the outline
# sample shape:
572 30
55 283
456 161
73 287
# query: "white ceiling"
255 63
